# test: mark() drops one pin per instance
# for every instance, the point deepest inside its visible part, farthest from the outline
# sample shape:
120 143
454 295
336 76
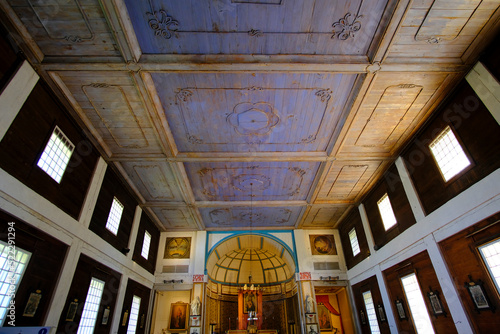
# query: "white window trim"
50 168
354 252
110 223
145 252
435 140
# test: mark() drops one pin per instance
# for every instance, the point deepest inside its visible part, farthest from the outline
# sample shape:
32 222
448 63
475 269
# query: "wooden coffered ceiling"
225 114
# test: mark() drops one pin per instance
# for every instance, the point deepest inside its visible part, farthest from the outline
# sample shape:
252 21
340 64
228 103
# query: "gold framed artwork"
105 316
178 318
70 315
323 244
32 305
250 303
178 248
325 320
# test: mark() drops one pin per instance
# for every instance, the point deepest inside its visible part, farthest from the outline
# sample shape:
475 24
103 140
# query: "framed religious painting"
105 316
478 295
323 244
70 315
400 309
178 248
178 317
32 305
381 313
324 317
435 301
250 303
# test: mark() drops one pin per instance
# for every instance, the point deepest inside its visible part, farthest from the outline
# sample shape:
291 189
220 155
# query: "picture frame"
381 313
105 316
178 317
125 318
312 328
73 306
324 317
435 301
194 330
177 248
362 317
32 304
250 303
478 295
400 309
322 244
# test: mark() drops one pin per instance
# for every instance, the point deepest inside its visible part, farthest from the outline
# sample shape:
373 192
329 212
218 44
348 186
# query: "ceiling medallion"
255 33
246 182
324 94
162 23
345 29
73 38
255 119
251 217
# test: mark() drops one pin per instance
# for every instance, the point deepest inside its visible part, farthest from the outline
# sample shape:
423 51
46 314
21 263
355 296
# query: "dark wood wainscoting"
464 260
421 266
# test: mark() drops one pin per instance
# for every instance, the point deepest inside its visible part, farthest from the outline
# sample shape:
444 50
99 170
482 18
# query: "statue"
195 306
309 304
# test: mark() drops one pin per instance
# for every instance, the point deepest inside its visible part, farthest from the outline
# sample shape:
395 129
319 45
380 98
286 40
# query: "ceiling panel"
154 179
255 27
253 217
175 218
258 181
346 180
324 216
389 110
441 27
67 28
112 106
262 112
234 114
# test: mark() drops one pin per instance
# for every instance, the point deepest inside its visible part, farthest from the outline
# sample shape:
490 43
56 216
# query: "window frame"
357 241
368 318
387 229
136 325
490 275
146 233
109 216
18 283
96 313
464 149
407 307
72 148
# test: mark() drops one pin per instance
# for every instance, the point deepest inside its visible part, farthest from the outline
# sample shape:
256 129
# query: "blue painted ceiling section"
251 27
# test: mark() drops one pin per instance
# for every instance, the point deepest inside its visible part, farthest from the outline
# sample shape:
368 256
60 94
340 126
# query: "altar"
250 309
244 331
